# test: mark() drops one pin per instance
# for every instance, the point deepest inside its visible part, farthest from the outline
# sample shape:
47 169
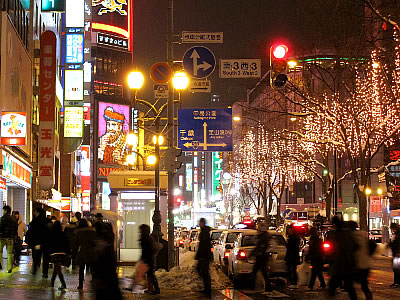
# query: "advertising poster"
74 48
13 128
74 85
113 129
73 121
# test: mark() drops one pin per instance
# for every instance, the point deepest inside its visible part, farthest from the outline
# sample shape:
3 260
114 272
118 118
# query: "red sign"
161 72
394 155
3 184
375 203
65 204
47 95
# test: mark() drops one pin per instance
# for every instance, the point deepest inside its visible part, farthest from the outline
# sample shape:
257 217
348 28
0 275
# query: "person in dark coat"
8 233
342 262
104 229
292 257
37 238
69 229
204 256
315 257
104 272
260 252
86 242
59 249
394 245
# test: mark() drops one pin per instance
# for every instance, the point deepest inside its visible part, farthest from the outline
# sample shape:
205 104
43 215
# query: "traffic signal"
179 200
171 164
278 63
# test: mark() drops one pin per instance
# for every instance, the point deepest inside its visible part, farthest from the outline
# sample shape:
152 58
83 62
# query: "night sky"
249 26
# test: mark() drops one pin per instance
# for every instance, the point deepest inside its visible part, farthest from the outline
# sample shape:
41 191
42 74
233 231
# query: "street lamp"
151 159
368 192
180 81
135 80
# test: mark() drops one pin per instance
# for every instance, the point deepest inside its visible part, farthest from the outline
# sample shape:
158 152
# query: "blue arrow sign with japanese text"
205 129
199 62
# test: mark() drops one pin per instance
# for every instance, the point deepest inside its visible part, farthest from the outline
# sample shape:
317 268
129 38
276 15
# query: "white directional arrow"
205 65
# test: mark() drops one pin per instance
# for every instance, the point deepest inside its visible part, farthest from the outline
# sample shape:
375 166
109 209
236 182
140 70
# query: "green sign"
53 5
217 170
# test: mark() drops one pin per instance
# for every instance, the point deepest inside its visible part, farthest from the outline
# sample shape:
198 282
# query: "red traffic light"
179 200
280 51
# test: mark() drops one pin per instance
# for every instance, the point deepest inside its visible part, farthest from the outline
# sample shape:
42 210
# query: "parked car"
215 234
223 247
180 239
241 262
376 235
192 236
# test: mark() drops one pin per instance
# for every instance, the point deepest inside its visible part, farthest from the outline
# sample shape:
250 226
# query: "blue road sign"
288 214
205 129
199 62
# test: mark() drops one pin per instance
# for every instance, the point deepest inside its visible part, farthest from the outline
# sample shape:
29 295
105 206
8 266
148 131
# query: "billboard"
13 128
85 161
50 5
113 17
74 48
73 121
75 13
73 85
113 128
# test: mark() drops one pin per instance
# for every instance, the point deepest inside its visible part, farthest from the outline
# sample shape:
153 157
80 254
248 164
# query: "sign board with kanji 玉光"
205 129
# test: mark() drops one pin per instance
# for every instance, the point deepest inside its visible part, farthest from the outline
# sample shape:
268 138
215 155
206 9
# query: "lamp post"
368 192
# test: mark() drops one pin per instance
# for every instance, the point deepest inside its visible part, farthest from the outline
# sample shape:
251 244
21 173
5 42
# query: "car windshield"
193 234
184 234
215 236
232 236
249 240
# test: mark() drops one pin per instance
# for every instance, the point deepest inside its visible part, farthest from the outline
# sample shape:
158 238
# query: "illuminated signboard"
75 13
112 41
113 128
74 48
113 16
189 175
85 161
87 69
73 84
217 170
13 128
73 121
65 204
15 170
51 5
86 113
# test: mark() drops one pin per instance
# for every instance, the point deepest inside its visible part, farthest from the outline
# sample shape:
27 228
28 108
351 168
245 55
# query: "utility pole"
170 128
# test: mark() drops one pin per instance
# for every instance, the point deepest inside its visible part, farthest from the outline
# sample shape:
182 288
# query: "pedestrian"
104 273
342 259
260 252
8 232
86 242
69 229
104 229
59 253
204 256
147 262
395 247
292 257
21 231
37 238
315 257
363 259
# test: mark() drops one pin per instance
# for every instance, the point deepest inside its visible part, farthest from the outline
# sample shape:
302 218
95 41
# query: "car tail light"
181 242
226 254
212 249
326 247
241 255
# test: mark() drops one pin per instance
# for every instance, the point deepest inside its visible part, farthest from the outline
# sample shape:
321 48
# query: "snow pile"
185 277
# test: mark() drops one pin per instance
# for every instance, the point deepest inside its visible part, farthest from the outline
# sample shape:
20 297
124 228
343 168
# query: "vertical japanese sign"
47 94
217 170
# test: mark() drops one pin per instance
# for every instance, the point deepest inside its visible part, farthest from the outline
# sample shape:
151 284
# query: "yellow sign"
73 121
138 181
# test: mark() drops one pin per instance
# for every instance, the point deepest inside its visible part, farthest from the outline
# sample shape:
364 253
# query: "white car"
180 239
241 263
192 236
224 245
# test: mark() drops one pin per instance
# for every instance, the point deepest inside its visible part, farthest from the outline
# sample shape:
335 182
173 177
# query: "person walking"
21 231
315 257
37 237
292 257
363 260
394 245
59 251
260 252
8 233
86 242
147 261
204 256
104 229
70 232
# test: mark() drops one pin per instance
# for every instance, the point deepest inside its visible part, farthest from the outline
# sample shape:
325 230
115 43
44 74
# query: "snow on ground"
186 278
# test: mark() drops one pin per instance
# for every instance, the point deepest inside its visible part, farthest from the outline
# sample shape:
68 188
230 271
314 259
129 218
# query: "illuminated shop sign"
217 170
75 13
113 128
15 170
86 113
74 48
85 161
112 41
189 175
73 121
74 85
51 5
13 128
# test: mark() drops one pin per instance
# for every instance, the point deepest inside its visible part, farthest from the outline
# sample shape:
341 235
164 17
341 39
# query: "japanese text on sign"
240 68
202 37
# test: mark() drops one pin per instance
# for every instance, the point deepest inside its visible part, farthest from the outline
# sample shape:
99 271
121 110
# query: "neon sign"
110 28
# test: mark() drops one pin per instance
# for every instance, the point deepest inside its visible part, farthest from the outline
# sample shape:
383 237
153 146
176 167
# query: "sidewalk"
22 285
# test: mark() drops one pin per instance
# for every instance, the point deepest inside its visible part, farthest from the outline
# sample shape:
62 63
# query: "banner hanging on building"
13 128
47 94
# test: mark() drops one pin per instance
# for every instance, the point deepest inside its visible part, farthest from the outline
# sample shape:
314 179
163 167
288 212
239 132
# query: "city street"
21 285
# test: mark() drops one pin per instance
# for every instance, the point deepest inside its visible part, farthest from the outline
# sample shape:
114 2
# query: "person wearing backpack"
363 261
